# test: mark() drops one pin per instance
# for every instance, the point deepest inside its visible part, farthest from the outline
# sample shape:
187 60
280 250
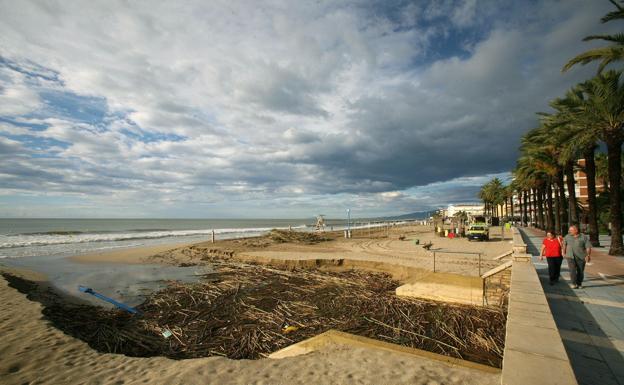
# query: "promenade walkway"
590 320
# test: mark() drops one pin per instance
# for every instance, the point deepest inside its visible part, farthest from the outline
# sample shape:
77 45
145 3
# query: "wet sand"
135 255
122 274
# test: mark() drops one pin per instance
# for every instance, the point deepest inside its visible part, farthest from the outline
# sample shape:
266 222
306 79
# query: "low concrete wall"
335 337
534 353
519 247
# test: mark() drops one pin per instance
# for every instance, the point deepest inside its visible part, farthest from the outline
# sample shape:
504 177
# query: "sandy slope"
32 351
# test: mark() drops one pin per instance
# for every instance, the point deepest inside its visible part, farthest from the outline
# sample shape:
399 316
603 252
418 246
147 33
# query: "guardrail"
455 252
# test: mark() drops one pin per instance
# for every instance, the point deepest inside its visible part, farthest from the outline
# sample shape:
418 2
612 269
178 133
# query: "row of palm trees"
497 198
589 117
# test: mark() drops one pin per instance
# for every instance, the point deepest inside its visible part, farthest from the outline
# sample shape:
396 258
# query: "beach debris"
417 241
252 310
289 328
120 305
282 236
401 237
427 246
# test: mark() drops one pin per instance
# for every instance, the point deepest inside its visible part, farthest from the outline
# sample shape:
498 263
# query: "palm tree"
525 175
583 143
516 190
462 219
563 128
608 54
603 114
493 195
497 193
540 168
509 193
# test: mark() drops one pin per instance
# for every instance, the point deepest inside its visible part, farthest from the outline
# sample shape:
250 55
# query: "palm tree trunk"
592 217
549 208
557 210
562 200
521 205
614 153
504 207
537 207
569 173
540 206
526 208
533 197
511 207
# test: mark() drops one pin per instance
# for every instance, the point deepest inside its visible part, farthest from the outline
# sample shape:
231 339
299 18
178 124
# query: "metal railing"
455 252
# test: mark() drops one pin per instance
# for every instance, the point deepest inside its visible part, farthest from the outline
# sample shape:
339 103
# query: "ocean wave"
54 232
75 232
54 238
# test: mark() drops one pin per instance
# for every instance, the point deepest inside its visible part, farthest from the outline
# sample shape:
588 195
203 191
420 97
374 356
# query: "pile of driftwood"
284 236
249 311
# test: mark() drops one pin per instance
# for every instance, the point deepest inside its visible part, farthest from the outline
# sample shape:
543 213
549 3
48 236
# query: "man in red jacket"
551 249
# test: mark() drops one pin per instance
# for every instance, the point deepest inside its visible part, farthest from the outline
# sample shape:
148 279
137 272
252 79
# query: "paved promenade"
590 320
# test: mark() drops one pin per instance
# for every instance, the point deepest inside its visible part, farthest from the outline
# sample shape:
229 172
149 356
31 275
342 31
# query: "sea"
67 237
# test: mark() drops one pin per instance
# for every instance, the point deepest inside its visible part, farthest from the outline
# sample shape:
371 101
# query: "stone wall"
496 285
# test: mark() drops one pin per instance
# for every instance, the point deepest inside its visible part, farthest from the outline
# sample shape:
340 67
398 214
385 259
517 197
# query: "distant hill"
415 215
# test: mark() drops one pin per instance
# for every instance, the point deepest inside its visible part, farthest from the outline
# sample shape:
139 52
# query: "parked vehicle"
478 231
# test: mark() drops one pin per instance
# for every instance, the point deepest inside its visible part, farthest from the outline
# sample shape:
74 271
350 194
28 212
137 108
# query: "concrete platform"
445 287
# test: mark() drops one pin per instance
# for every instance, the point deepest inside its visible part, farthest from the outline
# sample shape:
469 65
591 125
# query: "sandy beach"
34 351
395 247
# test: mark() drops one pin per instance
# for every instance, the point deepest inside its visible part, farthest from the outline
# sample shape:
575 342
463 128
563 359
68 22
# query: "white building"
470 208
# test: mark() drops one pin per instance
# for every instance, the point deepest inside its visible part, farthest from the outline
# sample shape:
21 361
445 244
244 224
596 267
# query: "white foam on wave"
24 240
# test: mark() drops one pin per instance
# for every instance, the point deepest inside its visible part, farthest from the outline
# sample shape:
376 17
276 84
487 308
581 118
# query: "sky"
273 109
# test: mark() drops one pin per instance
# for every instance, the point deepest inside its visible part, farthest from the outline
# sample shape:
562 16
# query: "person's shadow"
594 358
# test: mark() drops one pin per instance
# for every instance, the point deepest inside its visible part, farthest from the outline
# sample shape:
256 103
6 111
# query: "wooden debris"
249 311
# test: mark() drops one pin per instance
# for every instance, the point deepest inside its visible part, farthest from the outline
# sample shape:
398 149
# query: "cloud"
16 98
242 106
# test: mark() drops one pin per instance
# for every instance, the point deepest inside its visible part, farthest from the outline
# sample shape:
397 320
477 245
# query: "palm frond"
609 54
614 15
617 38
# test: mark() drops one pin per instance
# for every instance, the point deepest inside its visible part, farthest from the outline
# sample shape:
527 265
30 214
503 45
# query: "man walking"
577 251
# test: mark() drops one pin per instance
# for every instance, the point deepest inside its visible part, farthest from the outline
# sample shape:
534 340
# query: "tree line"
581 124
